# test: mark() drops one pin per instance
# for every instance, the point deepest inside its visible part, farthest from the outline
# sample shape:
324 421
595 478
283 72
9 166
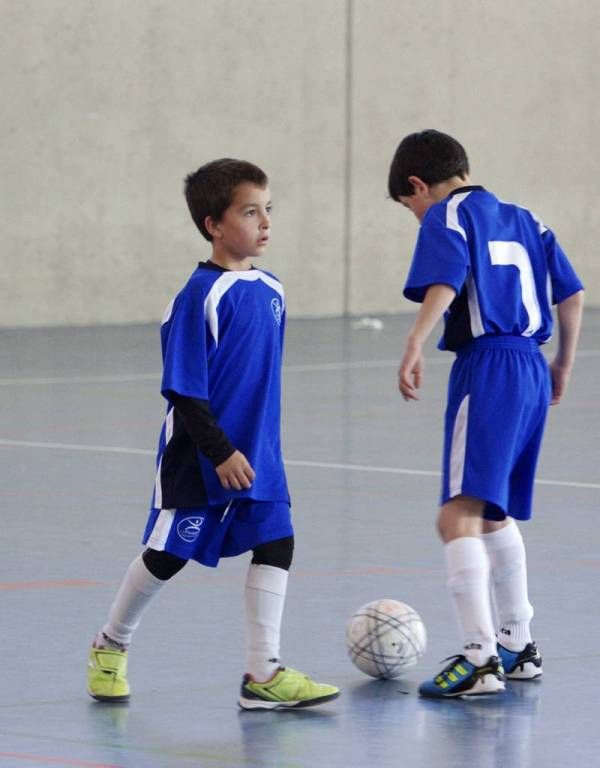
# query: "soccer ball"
385 637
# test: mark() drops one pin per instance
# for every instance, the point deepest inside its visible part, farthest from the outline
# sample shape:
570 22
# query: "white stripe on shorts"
458 448
162 528
157 480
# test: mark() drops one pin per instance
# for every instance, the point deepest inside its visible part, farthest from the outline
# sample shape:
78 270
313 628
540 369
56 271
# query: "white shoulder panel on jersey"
223 284
540 224
273 283
472 298
452 213
168 311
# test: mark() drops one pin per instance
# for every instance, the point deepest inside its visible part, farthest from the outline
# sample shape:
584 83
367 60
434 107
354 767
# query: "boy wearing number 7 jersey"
493 270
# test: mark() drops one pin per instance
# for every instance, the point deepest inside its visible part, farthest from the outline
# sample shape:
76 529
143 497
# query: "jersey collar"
215 267
468 188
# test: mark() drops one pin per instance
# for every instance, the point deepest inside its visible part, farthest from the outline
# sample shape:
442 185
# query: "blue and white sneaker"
521 665
463 679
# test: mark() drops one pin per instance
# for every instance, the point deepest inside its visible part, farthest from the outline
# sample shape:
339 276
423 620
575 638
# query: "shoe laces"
455 660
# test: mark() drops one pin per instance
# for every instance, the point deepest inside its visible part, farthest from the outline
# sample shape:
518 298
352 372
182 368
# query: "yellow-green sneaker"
289 689
107 675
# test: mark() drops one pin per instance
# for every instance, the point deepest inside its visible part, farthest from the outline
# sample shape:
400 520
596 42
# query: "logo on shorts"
276 309
188 529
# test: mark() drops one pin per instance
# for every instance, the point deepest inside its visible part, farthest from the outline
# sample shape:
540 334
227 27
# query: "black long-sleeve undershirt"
202 427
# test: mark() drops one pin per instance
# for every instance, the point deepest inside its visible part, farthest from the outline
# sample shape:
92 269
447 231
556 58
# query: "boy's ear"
418 184
212 227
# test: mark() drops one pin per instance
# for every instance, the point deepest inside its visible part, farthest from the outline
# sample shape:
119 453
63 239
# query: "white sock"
137 589
264 597
467 569
508 568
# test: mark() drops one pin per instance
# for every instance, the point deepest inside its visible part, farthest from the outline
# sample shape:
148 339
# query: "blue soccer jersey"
506 267
222 342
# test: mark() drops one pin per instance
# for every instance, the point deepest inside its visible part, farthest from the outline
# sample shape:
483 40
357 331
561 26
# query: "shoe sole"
524 674
481 695
245 703
488 688
110 699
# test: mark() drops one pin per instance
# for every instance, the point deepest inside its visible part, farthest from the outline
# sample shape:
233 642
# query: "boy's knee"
461 516
162 565
278 553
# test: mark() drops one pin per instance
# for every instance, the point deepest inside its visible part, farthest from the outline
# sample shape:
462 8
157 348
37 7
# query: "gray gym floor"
80 419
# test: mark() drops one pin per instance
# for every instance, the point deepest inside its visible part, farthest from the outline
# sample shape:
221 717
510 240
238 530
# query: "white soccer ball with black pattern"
384 638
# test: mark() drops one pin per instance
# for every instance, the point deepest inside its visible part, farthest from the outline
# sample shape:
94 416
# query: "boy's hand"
410 373
438 298
236 472
569 322
560 379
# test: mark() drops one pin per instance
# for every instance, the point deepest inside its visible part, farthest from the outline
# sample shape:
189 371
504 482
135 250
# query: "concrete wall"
107 105
515 81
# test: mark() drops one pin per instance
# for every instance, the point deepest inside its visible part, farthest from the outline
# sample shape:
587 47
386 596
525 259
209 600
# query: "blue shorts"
208 533
498 397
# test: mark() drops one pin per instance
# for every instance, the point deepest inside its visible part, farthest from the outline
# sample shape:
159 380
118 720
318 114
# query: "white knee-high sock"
264 598
137 589
467 570
508 567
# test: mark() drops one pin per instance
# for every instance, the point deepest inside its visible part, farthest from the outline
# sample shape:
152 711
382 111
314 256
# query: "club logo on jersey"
188 529
276 309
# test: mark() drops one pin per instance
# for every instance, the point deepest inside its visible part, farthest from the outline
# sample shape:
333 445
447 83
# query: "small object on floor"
368 324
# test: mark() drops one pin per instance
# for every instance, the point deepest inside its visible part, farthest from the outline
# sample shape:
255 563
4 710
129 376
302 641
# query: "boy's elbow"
578 299
574 300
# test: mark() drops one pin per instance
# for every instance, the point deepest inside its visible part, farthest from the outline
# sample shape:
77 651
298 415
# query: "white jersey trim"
168 312
157 481
458 448
549 297
452 213
162 528
540 224
472 297
477 328
223 284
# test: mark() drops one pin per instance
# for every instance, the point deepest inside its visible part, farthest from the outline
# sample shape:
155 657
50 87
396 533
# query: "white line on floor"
289 462
294 368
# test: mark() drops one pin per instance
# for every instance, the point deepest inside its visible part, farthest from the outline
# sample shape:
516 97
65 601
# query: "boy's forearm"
437 300
569 324
203 428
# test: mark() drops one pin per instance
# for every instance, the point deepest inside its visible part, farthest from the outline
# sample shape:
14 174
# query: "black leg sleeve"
162 565
277 553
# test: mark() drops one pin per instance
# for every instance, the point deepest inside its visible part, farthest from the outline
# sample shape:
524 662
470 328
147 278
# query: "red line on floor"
50 584
56 760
